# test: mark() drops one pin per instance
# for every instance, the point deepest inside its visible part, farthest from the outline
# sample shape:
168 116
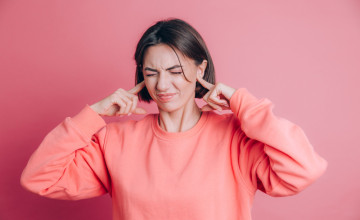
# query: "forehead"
163 56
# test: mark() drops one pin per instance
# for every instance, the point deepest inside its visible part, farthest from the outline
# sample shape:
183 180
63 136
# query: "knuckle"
120 90
122 105
212 98
127 101
118 96
210 104
113 99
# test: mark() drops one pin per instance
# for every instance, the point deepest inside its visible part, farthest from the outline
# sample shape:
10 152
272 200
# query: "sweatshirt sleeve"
275 155
69 163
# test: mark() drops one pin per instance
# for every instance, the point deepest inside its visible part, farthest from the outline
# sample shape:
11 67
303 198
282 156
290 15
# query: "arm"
69 163
275 154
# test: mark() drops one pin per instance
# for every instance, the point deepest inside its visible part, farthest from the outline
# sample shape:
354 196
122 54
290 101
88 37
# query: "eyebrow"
170 68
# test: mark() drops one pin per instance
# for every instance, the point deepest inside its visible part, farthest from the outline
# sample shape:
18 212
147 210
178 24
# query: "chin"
168 107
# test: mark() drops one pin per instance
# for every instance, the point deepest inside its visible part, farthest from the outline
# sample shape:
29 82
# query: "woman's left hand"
218 96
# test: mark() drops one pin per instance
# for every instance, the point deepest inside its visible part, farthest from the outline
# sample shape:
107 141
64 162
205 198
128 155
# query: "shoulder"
226 120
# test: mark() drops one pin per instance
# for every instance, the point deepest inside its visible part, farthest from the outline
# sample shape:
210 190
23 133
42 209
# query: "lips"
165 97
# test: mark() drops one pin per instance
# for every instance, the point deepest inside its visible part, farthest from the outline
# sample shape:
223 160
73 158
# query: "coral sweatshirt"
210 172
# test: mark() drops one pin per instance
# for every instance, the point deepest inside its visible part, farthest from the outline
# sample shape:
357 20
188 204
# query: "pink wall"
57 56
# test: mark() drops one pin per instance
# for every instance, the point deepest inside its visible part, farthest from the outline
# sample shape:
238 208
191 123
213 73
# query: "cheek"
187 87
148 84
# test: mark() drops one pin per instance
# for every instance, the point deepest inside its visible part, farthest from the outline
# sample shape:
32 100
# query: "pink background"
56 56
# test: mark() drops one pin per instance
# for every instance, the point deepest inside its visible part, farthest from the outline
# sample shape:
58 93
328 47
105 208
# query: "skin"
179 112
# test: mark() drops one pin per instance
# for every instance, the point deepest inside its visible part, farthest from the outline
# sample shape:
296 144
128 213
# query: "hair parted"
178 34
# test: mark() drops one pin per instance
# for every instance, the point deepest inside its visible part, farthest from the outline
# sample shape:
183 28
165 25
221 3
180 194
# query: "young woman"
185 162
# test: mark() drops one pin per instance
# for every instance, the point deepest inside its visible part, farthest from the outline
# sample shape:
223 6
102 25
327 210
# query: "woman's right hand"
120 103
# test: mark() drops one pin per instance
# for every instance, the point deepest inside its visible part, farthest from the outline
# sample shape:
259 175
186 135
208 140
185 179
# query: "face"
164 79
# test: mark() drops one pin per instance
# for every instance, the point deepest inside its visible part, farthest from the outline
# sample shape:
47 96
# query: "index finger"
204 83
137 88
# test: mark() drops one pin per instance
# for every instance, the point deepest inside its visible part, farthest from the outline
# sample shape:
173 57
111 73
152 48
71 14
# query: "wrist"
94 107
229 92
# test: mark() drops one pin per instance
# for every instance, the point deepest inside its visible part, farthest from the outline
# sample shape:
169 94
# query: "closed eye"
155 73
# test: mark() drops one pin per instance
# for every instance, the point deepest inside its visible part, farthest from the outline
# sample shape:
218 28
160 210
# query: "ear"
201 69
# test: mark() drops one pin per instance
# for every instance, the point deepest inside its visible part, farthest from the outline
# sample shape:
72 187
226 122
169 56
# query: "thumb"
206 108
139 111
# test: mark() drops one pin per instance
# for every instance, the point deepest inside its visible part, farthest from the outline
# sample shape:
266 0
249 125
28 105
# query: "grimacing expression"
164 79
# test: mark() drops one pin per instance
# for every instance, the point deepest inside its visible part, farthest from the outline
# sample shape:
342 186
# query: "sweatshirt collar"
161 133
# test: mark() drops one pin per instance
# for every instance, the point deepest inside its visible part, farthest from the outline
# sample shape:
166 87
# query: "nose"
163 83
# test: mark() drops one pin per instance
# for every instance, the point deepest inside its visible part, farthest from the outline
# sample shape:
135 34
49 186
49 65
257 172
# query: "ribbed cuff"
88 121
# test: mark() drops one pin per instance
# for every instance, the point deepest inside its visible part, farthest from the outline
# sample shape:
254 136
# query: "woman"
184 162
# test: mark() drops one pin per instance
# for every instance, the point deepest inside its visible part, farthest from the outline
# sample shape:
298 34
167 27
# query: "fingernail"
129 114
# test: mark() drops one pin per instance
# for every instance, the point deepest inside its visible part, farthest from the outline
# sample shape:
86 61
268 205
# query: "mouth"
165 97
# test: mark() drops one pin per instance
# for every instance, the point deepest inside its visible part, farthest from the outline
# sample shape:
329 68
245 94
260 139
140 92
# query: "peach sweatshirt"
210 172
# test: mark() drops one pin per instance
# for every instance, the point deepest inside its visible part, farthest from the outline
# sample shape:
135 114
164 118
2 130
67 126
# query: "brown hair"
177 34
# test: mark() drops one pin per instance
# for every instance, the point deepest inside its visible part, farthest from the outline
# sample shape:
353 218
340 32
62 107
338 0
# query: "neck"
180 120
